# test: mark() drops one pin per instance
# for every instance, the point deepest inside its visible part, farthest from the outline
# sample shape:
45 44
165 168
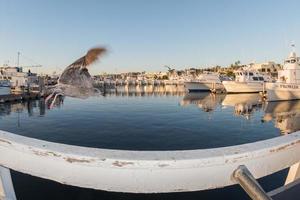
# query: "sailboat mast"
18 61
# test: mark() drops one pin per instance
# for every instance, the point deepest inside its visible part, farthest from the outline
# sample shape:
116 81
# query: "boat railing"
148 171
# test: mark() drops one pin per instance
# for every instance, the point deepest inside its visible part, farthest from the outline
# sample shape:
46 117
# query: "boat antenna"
18 62
293 47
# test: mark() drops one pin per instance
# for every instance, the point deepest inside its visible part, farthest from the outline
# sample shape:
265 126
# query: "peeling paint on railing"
145 171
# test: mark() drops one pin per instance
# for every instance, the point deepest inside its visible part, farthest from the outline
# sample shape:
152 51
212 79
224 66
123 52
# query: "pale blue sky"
148 34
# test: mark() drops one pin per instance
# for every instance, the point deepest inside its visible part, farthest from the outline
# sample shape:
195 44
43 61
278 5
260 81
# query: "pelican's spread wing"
77 74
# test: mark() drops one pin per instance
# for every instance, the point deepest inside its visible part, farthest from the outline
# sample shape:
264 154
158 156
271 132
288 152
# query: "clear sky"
147 34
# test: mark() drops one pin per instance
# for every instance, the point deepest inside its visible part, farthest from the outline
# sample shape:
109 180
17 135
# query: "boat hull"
243 87
203 86
282 91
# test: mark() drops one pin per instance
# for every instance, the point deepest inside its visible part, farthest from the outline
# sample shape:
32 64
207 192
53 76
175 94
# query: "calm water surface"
160 118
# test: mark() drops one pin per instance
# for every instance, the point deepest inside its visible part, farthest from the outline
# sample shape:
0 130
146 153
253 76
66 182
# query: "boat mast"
18 61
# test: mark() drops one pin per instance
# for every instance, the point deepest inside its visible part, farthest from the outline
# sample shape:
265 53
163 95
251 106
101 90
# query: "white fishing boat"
204 82
246 81
287 86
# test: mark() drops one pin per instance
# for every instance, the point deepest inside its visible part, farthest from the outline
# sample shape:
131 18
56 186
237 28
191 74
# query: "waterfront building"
267 68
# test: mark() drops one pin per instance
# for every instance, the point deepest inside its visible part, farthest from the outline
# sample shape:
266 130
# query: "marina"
239 116
186 111
151 100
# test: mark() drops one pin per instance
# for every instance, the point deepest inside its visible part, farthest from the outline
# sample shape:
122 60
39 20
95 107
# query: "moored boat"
204 82
287 86
246 81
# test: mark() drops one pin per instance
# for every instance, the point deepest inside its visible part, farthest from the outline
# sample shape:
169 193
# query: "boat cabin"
246 76
209 77
291 70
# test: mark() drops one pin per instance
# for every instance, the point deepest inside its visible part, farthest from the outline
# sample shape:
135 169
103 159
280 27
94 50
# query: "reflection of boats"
286 115
146 90
32 107
204 82
287 86
245 82
204 100
244 104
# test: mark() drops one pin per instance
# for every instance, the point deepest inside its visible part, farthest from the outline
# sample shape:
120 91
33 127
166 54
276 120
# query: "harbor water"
148 118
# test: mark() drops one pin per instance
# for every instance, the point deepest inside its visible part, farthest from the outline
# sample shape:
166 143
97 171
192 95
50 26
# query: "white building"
268 68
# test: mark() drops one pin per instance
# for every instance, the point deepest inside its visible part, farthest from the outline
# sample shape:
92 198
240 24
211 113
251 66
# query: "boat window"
250 73
268 70
293 61
261 78
263 69
255 78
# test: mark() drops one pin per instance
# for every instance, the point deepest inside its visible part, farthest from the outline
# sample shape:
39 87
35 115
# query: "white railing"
144 171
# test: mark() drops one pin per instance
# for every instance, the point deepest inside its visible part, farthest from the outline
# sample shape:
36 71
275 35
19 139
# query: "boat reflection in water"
244 104
205 100
285 114
33 108
38 107
146 90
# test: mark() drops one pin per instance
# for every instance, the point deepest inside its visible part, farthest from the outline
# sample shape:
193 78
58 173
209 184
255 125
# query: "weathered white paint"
7 191
2 192
294 173
145 171
243 86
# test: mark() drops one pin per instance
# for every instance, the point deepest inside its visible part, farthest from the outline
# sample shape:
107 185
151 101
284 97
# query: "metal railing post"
7 191
294 173
246 180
